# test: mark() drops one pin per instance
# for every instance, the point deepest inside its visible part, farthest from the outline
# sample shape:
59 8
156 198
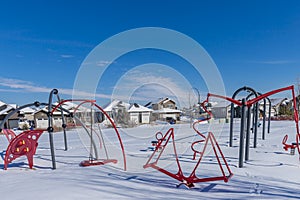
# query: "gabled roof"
13 105
2 103
28 110
138 108
164 100
71 107
45 110
115 103
5 108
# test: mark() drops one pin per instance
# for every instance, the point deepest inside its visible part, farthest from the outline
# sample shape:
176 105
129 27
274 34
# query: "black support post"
248 133
242 135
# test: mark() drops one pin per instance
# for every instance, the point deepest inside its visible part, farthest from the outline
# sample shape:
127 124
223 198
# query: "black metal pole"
269 118
50 128
256 124
231 125
264 121
248 134
242 134
253 117
248 89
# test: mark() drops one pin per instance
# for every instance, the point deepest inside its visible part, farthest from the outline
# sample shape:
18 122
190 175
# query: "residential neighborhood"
132 114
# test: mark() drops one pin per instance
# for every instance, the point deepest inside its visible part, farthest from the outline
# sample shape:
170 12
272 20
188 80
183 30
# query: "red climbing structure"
168 139
24 144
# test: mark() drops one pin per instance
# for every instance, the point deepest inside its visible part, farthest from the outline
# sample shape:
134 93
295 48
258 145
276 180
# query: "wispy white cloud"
103 63
274 62
145 86
16 85
99 63
67 56
22 35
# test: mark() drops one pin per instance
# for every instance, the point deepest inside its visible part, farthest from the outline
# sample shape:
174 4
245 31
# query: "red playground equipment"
192 178
24 144
93 154
293 145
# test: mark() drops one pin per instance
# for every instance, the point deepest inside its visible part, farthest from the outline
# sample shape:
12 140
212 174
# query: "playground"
156 159
271 172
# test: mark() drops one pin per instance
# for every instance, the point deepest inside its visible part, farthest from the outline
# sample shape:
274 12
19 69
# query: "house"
5 109
220 109
28 113
164 103
139 114
118 111
276 106
167 114
40 116
165 109
41 119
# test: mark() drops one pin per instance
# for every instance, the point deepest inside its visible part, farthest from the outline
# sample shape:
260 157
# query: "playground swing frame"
249 103
91 160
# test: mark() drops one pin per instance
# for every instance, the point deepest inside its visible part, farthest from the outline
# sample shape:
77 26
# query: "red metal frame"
261 97
9 134
192 178
102 161
24 144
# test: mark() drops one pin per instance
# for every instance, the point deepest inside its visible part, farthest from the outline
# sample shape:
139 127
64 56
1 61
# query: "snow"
109 107
271 172
139 108
28 110
167 110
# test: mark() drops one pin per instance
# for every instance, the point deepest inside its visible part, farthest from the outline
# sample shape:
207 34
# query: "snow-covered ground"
271 172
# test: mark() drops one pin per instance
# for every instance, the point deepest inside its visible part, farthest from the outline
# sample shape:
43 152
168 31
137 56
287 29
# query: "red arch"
83 101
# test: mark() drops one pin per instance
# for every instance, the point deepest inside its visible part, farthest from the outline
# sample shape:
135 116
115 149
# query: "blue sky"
43 43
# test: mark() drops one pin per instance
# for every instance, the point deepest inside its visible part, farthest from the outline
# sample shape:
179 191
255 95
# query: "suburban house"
5 109
118 111
276 106
116 106
165 109
220 109
28 113
41 118
139 114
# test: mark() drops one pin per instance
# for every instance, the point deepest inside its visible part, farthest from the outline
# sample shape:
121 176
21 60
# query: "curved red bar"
83 101
263 96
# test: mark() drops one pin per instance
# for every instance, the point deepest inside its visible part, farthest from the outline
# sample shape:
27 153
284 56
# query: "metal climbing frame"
189 181
249 103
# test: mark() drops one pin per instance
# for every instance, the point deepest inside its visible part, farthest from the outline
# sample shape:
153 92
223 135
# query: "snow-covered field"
271 172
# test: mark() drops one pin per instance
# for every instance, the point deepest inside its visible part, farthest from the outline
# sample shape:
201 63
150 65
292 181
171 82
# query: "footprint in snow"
255 189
